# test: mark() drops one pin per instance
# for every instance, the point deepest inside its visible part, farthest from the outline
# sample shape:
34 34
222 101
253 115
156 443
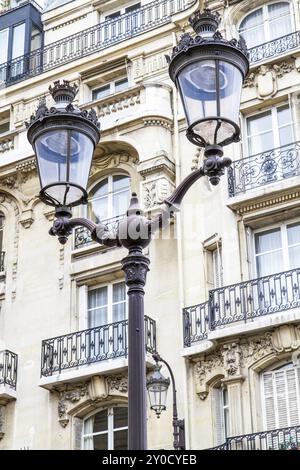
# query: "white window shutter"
281 391
217 267
269 401
77 433
218 416
82 307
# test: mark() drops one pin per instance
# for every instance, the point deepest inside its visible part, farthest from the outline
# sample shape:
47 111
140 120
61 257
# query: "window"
269 22
110 89
107 304
106 430
277 249
221 413
281 397
120 12
4 127
36 39
217 267
4 46
269 129
110 198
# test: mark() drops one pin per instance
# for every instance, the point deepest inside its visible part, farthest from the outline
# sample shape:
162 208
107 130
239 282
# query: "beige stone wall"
143 134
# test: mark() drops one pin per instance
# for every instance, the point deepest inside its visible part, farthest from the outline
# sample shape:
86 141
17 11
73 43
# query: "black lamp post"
157 386
208 70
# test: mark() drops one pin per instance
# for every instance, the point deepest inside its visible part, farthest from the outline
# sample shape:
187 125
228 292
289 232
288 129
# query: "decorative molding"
252 206
66 23
229 359
7 143
111 161
117 383
286 338
166 123
71 396
265 78
118 102
143 66
26 219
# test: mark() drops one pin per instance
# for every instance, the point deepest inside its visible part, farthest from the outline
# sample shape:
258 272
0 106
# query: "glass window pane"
120 182
284 115
97 317
134 7
270 263
4 45
267 241
101 442
120 417
294 255
259 123
121 85
4 127
120 203
97 297
101 189
120 440
101 92
276 10
280 23
18 41
36 39
252 29
293 233
100 421
285 135
119 292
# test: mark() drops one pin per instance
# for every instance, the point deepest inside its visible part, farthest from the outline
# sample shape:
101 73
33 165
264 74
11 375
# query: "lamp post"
157 386
208 71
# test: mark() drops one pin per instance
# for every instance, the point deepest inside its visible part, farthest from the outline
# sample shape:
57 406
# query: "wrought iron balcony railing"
242 302
8 368
264 168
92 345
275 47
276 439
82 235
88 41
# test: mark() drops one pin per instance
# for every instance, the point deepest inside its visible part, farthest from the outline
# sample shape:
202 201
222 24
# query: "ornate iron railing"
264 168
274 48
88 41
8 368
82 236
242 302
195 323
276 439
92 345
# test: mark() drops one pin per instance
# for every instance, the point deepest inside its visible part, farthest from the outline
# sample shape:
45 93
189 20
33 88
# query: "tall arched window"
109 198
269 22
106 430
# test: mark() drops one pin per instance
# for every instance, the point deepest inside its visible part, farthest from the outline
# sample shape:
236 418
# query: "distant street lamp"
157 386
208 71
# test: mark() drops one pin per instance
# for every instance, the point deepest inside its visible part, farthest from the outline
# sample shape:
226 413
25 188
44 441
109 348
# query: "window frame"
275 127
284 239
110 425
112 88
121 10
265 23
110 194
110 302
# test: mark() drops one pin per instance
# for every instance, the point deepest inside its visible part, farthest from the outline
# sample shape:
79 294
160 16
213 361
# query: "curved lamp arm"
213 167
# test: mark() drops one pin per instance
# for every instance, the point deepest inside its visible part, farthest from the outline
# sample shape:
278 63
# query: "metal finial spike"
63 91
134 206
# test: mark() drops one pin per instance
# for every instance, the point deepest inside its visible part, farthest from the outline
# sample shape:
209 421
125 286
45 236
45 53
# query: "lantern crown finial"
63 91
205 22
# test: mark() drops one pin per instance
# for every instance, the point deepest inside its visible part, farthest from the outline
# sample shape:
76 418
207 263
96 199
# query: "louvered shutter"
218 417
281 389
217 266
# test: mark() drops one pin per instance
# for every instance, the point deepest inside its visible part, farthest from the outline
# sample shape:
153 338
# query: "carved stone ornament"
286 338
67 397
265 78
118 383
2 421
111 161
229 359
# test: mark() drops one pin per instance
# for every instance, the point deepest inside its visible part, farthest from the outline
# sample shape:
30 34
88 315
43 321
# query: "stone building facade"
223 292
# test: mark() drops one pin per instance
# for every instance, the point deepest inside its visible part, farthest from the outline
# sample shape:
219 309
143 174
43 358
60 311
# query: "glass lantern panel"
197 85
51 151
231 91
80 159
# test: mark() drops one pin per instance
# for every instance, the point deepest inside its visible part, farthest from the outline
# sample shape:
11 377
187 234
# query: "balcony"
275 48
82 236
82 349
264 168
277 439
245 303
91 40
8 376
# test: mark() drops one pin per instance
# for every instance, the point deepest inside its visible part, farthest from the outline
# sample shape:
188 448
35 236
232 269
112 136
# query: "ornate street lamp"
157 386
208 71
